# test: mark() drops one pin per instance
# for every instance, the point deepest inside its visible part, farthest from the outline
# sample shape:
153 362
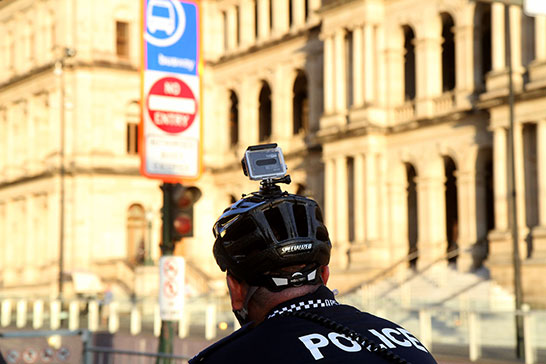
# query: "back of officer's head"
276 241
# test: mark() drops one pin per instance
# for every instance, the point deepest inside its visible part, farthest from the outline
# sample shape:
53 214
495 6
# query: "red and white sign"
171 105
171 145
171 282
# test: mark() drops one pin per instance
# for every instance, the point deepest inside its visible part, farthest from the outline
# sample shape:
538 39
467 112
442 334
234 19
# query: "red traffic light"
183 224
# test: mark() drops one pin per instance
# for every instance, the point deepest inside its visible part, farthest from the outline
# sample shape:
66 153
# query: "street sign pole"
516 261
167 247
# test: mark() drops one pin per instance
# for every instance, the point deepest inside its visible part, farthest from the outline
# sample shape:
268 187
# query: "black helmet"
262 233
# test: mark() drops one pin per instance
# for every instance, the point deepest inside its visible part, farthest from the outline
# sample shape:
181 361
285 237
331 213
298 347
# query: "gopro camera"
264 162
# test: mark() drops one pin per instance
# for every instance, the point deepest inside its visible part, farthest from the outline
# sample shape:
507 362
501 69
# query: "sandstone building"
392 114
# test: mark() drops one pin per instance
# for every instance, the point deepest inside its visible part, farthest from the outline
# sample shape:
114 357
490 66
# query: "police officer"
275 250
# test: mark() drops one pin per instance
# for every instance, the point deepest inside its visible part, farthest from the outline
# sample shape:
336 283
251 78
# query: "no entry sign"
170 133
171 104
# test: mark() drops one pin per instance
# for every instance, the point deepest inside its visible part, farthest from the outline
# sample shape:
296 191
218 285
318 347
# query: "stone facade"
392 114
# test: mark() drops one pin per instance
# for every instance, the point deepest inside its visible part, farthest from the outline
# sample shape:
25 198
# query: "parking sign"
170 147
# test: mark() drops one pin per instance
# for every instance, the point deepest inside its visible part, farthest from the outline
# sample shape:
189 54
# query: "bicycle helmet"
262 233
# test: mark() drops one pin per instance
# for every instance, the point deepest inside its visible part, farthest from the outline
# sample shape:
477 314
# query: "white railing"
479 332
444 103
405 112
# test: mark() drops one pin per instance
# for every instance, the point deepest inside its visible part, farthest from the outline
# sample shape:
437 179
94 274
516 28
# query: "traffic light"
181 211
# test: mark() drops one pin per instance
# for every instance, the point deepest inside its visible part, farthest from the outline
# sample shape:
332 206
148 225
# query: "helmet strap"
242 313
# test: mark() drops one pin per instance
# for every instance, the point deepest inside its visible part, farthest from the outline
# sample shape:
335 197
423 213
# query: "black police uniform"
286 338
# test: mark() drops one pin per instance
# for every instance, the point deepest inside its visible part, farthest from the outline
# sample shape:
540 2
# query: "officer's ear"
325 274
237 292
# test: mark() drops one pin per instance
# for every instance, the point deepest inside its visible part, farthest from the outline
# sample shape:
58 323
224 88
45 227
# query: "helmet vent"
318 215
276 223
300 216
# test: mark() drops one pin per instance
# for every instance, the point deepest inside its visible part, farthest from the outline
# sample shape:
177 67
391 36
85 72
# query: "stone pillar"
370 75
358 67
432 242
342 210
328 75
467 218
339 69
397 197
231 28
428 58
247 23
298 13
464 64
540 37
500 247
537 68
280 16
372 194
516 46
520 187
263 19
359 198
497 37
500 180
330 198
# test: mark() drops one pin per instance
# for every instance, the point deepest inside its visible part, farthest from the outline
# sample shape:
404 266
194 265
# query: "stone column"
500 178
359 198
263 19
231 28
537 68
329 197
370 73
540 37
467 203
247 23
516 46
339 69
280 16
428 58
372 192
432 242
397 233
358 67
328 75
464 64
520 187
298 13
342 210
498 51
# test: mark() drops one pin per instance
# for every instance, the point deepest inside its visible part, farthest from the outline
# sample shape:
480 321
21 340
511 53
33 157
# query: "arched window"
132 118
452 214
411 195
136 234
265 112
233 119
482 47
448 53
409 63
300 104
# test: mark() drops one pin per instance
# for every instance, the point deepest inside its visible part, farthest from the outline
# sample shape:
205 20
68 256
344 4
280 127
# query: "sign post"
170 129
